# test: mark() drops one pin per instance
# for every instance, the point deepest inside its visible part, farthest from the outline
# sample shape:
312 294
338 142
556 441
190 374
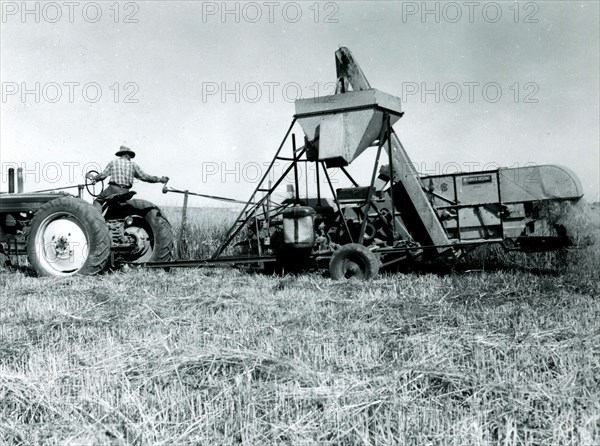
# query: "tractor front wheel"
68 236
353 261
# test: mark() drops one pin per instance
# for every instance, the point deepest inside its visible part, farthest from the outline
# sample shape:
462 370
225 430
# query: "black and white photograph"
300 223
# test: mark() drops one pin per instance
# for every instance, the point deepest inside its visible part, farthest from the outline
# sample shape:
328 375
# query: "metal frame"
252 207
256 206
297 153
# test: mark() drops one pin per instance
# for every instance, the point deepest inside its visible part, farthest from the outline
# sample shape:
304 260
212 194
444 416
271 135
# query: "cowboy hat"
125 151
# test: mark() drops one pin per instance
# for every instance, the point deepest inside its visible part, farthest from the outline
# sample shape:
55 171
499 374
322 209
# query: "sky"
204 91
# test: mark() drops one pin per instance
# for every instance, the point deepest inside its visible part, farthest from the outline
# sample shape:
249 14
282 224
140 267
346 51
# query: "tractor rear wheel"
353 261
152 231
162 247
68 236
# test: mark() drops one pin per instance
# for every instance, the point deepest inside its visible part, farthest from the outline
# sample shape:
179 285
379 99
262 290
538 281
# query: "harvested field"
504 350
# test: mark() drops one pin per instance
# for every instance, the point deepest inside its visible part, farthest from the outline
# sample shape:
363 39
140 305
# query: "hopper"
342 126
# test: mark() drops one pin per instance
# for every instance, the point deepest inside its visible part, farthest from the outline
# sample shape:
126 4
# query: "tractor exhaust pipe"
20 180
11 180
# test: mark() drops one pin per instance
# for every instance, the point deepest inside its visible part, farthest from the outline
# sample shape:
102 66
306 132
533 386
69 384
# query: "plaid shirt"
122 172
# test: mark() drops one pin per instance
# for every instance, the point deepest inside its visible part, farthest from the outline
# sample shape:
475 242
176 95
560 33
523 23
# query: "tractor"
62 234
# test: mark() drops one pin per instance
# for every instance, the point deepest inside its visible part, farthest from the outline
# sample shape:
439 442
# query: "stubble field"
503 350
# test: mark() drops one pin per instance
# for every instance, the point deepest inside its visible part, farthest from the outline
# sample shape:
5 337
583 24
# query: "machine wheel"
68 236
353 261
153 232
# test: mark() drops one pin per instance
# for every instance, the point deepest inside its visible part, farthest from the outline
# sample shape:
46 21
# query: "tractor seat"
121 197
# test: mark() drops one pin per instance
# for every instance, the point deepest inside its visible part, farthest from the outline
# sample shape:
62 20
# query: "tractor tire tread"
163 238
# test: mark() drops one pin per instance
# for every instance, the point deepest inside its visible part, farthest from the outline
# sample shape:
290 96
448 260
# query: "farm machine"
399 216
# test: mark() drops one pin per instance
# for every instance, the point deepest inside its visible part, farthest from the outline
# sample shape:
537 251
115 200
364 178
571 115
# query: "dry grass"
221 356
205 229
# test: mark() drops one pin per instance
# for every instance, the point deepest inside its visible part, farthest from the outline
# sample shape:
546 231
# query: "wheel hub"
143 243
64 244
352 269
61 246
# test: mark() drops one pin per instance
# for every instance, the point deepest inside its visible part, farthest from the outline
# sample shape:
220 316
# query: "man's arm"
105 173
143 176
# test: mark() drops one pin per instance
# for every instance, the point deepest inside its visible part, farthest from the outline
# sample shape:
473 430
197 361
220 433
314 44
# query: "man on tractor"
121 171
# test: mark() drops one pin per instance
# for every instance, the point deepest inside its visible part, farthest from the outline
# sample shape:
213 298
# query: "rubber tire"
164 241
361 258
91 222
162 232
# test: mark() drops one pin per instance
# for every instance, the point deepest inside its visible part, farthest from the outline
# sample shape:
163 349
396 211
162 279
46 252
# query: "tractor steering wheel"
90 185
